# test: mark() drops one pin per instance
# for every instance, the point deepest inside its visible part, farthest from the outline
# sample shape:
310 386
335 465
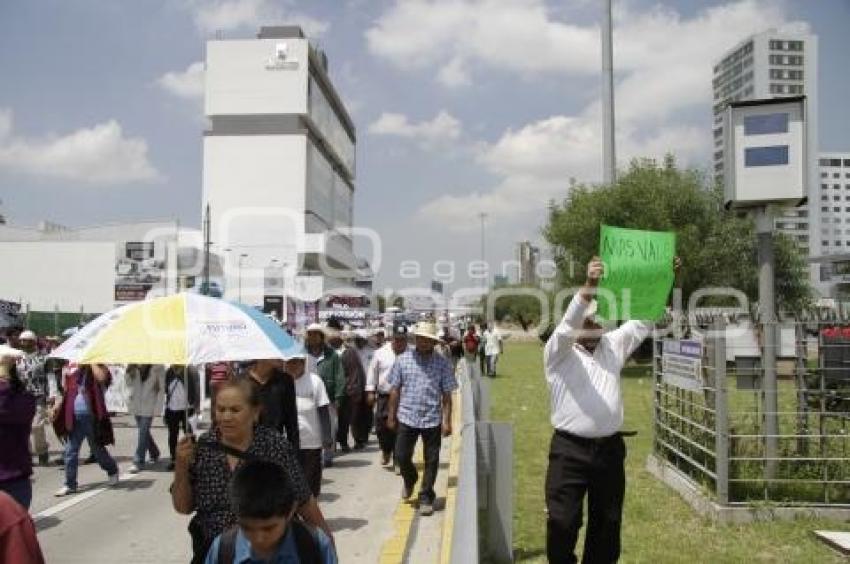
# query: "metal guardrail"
465 533
484 495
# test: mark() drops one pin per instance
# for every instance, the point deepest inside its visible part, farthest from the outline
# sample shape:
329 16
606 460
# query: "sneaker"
113 480
397 470
134 469
406 492
385 459
170 467
65 490
344 448
426 508
43 460
359 446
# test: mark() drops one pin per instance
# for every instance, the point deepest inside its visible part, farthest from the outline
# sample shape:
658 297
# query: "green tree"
718 247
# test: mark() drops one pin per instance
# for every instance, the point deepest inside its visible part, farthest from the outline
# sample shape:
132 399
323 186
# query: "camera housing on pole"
766 158
766 166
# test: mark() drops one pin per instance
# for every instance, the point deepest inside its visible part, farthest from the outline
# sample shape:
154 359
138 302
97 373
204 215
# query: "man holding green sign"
582 363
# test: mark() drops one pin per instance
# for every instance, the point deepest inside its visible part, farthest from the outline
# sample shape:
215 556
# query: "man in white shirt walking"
378 389
587 453
492 348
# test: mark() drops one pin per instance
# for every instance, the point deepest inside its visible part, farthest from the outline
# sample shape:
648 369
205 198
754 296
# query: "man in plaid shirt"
420 404
31 369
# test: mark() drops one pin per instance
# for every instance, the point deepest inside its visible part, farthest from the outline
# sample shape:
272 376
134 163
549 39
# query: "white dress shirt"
585 389
379 369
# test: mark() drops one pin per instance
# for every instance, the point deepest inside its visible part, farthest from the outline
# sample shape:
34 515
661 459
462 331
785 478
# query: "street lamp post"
241 256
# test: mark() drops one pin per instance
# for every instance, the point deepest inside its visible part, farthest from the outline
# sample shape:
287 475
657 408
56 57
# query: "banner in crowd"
638 273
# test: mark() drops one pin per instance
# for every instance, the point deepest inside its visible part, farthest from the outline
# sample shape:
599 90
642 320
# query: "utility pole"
609 157
483 217
206 285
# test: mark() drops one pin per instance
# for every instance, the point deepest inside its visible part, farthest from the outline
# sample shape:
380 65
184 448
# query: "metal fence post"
721 415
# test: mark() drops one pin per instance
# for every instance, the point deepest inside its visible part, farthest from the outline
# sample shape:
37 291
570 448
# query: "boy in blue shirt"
264 504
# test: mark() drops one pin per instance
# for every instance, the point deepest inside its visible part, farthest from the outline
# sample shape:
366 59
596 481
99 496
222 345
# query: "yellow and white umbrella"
182 329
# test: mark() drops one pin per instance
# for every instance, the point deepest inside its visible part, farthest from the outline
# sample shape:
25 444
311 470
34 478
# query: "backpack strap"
227 546
306 543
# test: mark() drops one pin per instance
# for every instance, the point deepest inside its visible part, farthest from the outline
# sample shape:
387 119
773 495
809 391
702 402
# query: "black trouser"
578 466
361 420
386 436
404 445
311 464
343 414
174 420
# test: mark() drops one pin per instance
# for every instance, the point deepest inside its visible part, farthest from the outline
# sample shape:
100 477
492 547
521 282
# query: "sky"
461 106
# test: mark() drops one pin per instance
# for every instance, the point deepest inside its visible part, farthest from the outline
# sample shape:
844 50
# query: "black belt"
594 440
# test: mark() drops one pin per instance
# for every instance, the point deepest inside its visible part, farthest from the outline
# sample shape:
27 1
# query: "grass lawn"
658 526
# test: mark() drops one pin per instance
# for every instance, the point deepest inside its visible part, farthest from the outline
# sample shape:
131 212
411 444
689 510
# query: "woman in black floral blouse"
203 470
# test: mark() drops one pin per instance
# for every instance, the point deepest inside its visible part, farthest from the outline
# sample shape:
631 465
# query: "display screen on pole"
765 124
766 156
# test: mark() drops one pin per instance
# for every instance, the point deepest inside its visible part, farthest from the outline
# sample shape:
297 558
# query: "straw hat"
8 354
428 330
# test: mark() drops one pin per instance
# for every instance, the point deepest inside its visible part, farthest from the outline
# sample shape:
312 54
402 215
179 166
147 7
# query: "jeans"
579 467
405 443
20 490
84 429
492 359
145 441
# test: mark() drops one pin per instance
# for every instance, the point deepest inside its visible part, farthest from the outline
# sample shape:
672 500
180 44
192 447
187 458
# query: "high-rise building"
279 164
527 255
834 235
775 64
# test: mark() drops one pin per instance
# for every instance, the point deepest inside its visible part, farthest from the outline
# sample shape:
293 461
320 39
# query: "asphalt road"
134 521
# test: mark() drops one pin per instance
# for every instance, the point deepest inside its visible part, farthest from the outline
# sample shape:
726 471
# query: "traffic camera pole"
767 307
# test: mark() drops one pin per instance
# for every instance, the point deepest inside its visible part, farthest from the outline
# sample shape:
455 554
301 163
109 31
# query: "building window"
824 186
836 209
777 89
766 124
836 186
766 156
826 209
824 243
847 163
824 198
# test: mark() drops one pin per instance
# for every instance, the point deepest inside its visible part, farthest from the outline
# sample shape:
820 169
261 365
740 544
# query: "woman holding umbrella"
205 469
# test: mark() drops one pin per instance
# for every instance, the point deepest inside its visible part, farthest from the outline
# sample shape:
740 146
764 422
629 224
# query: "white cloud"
226 15
444 127
97 155
454 74
187 84
664 70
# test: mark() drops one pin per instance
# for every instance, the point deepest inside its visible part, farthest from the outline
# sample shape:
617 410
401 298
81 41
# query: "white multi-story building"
775 64
834 236
279 165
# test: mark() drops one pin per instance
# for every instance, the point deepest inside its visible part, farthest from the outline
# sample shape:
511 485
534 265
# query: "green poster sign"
638 273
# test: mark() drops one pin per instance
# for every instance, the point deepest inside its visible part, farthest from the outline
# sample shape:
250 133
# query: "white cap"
27 336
